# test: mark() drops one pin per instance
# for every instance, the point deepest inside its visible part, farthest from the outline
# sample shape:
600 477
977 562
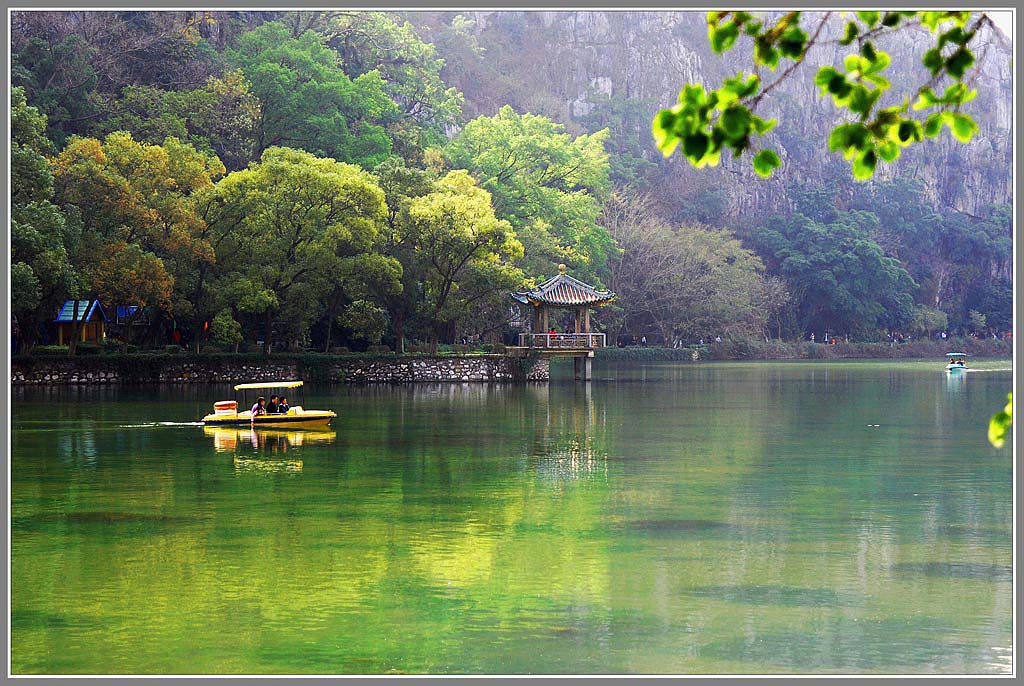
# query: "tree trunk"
268 328
327 341
400 335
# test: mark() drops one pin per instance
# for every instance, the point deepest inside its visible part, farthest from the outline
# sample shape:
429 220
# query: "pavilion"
567 293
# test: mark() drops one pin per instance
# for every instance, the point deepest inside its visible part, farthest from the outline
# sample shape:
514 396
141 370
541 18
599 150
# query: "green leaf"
962 127
926 98
723 37
850 35
864 165
888 151
869 18
793 41
890 19
763 126
933 125
959 62
695 145
999 425
766 161
736 121
662 128
933 60
765 53
909 131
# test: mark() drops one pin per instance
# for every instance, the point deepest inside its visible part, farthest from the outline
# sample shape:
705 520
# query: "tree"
706 123
133 276
42 275
128 192
841 279
284 227
225 330
219 118
307 101
364 320
684 282
548 185
381 42
467 252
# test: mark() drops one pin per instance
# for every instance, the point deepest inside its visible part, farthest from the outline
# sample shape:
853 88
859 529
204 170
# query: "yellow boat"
225 412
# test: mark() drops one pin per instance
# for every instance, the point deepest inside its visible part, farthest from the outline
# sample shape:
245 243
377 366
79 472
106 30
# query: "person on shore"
643 341
272 405
283 406
258 409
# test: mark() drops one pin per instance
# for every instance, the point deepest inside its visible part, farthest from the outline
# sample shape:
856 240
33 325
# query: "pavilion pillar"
578 319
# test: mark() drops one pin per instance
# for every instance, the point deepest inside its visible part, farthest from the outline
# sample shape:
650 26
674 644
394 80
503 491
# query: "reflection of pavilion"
569 440
562 292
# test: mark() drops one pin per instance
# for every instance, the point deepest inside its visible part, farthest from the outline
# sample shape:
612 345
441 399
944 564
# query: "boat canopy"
269 384
956 354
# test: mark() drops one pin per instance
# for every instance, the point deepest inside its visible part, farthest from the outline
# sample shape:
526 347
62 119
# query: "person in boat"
258 409
283 406
272 405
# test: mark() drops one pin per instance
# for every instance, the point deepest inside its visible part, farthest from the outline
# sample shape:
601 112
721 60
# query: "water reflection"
569 436
265 450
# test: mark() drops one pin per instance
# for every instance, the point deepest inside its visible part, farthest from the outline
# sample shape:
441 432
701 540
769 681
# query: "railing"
571 341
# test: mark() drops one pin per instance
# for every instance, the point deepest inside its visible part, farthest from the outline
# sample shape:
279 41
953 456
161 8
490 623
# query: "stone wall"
122 369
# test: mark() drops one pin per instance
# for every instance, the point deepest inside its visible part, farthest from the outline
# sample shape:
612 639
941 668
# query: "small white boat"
956 363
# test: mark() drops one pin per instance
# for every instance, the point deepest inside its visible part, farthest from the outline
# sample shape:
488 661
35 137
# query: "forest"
315 180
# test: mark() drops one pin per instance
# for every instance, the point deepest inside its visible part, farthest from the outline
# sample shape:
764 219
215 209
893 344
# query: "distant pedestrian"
812 337
643 341
718 339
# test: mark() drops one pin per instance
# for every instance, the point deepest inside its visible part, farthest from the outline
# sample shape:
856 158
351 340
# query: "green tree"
128 192
841 279
382 42
284 227
547 184
226 330
705 123
219 118
129 274
468 254
41 236
687 282
307 101
364 320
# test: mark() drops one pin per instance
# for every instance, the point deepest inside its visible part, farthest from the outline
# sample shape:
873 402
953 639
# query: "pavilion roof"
80 310
563 290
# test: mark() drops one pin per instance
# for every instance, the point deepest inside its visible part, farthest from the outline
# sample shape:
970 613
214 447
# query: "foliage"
381 42
219 118
467 253
365 320
687 282
225 330
285 226
705 122
544 182
307 100
841 279
1000 424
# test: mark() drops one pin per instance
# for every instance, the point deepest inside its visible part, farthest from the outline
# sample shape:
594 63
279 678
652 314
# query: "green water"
712 518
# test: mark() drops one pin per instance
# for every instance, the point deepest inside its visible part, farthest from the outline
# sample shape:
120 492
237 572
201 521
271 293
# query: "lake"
771 517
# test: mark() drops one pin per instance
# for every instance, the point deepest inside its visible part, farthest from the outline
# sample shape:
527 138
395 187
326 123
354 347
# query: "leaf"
959 62
736 121
869 18
763 126
909 131
864 165
695 145
888 151
933 60
723 37
765 161
933 125
962 126
999 425
850 35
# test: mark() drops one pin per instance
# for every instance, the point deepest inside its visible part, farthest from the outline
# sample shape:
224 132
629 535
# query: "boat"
226 413
956 362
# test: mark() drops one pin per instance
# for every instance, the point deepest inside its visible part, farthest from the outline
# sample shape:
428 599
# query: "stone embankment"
121 369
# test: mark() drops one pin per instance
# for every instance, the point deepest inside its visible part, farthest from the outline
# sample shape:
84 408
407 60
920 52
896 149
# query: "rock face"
473 368
569 65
